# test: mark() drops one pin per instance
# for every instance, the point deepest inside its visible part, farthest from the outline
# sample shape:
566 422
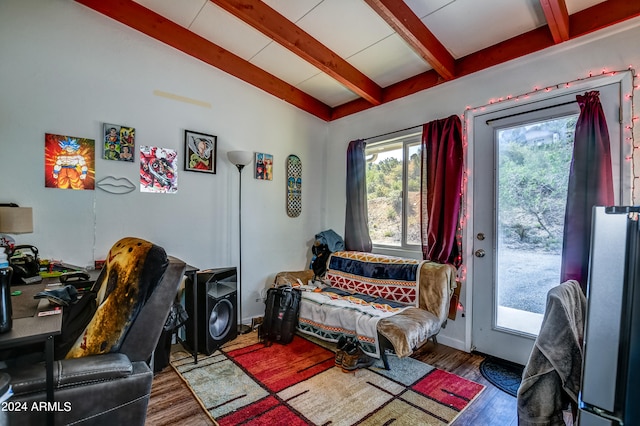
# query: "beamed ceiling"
333 58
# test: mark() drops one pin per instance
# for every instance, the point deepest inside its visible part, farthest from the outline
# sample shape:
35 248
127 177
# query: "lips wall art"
115 185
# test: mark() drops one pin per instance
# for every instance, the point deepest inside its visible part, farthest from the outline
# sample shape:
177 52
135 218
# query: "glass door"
522 159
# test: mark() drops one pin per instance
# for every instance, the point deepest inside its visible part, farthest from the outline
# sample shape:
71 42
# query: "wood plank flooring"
172 402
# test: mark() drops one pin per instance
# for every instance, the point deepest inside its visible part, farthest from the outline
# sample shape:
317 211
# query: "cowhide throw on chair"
132 270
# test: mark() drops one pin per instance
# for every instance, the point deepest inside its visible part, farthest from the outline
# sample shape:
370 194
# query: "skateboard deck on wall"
294 186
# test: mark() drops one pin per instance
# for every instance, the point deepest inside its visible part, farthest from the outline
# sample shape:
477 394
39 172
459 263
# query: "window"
393 191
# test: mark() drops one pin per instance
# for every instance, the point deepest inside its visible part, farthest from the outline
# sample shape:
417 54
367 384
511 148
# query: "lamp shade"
16 220
240 158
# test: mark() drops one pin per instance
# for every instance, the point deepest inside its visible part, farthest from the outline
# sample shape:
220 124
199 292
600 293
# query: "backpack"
321 254
280 316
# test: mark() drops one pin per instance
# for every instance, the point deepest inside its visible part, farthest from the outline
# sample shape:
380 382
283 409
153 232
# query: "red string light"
630 129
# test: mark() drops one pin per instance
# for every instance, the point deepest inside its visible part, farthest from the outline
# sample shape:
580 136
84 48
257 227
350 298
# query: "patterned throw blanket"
388 277
365 288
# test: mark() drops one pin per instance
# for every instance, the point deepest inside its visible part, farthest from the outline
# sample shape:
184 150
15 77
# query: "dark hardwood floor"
172 402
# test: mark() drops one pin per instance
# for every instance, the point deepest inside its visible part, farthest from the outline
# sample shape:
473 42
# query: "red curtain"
442 162
590 184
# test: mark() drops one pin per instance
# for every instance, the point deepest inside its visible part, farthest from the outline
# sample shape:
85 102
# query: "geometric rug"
246 382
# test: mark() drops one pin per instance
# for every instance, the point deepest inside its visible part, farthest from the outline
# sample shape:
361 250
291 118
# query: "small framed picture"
264 166
119 142
158 170
200 152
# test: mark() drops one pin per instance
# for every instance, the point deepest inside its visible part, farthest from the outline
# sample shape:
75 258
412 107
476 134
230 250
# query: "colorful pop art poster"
264 166
69 162
119 142
158 170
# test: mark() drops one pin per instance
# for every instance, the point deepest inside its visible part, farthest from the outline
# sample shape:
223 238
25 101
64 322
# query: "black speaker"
216 313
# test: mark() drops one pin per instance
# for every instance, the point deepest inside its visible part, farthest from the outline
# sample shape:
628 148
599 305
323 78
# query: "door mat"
504 375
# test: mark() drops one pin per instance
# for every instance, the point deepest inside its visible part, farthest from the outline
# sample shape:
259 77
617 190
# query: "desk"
33 330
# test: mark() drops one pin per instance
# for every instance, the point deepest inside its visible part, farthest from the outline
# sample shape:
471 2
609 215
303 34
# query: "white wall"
616 49
66 69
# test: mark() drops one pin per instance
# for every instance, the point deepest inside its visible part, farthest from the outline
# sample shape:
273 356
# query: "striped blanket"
364 289
388 277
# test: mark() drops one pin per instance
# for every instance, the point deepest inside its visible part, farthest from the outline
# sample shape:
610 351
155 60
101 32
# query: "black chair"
111 387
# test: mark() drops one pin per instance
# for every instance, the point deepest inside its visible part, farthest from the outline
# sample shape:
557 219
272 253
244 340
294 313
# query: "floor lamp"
240 159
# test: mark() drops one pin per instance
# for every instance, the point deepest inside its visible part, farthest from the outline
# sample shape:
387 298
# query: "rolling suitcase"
280 316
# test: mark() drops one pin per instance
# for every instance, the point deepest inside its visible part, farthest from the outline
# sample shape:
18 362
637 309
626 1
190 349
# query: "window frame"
407 138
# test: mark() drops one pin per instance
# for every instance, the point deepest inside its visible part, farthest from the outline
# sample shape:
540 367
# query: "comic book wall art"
199 152
119 142
158 170
69 162
264 166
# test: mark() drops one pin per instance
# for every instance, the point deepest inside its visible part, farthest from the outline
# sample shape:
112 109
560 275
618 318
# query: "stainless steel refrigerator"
611 359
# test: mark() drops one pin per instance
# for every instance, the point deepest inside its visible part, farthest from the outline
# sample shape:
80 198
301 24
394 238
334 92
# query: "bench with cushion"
386 302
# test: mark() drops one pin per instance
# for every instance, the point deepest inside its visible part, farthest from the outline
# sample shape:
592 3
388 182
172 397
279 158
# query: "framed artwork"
264 166
69 162
200 152
158 170
119 142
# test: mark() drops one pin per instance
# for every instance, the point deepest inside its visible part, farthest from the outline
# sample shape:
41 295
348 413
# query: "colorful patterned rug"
247 382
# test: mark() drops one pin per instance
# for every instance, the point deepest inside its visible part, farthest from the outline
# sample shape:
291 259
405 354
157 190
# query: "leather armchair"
111 388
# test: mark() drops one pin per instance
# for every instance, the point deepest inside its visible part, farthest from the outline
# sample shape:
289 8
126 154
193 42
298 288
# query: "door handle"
479 253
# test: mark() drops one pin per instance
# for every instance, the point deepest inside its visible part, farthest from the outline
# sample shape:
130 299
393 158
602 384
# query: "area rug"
504 375
247 382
